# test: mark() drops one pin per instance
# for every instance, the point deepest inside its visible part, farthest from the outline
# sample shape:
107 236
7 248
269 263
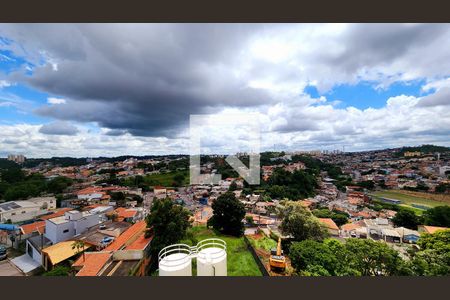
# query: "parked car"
2 253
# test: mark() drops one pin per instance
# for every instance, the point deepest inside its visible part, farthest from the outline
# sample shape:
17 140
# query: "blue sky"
367 94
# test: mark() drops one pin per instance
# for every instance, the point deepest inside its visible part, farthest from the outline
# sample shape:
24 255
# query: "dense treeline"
15 184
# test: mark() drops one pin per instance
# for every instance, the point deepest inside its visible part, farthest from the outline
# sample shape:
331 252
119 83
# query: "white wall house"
23 210
72 223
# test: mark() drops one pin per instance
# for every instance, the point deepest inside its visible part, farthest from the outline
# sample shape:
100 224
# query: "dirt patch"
445 198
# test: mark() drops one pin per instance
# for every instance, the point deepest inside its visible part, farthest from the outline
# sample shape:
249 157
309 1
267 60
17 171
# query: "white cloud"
52 100
4 83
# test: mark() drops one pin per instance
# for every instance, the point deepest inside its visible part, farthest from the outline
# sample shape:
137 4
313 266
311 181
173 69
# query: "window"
65 230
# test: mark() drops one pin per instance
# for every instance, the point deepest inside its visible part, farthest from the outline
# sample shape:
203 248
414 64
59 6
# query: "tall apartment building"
19 158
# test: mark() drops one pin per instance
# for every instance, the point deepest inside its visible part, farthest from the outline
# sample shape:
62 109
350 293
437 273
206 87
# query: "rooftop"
128 237
62 251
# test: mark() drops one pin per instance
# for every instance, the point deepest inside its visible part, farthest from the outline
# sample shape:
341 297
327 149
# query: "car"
102 227
2 253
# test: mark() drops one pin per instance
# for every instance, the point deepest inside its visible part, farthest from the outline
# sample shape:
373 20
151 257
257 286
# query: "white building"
23 210
71 224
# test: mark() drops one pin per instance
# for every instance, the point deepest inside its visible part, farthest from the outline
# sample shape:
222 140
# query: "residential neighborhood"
96 225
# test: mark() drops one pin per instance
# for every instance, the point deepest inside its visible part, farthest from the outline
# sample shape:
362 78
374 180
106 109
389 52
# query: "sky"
88 90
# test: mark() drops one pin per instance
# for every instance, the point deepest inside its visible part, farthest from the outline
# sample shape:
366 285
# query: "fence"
261 266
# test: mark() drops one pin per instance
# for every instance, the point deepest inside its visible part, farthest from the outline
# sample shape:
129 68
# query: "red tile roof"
93 263
30 228
140 243
58 213
128 237
329 223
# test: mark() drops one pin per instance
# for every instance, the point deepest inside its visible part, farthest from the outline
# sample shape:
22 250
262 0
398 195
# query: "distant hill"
427 149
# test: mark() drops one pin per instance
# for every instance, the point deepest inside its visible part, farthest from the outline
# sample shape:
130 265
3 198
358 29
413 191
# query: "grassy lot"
407 200
165 179
240 260
264 242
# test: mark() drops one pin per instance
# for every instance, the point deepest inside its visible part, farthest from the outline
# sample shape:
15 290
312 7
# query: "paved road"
7 269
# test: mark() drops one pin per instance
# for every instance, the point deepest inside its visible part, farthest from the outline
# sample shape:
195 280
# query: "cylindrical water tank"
212 258
175 260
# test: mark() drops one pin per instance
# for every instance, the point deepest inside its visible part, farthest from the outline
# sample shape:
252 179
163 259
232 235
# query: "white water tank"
175 260
212 258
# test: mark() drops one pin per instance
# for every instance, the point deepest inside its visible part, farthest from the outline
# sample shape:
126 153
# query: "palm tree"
79 246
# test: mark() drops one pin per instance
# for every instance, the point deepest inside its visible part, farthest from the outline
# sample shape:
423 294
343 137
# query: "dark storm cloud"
145 79
58 128
368 45
115 132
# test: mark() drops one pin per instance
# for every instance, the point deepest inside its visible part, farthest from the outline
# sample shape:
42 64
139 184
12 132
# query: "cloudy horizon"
89 90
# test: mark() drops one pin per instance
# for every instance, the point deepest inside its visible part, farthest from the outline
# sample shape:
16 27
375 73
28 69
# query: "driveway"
8 269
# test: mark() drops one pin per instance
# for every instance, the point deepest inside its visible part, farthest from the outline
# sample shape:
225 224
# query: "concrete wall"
56 232
35 255
22 214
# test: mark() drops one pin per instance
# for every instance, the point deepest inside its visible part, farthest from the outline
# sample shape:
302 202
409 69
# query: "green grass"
265 243
407 200
165 179
240 260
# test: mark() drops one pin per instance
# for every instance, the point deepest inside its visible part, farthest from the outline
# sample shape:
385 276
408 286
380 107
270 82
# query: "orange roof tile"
30 228
329 223
433 229
94 263
140 243
128 237
59 213
350 226
125 213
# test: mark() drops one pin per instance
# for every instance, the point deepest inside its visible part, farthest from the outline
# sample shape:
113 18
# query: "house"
60 252
72 223
131 215
333 229
430 229
127 255
350 229
23 210
408 235
390 235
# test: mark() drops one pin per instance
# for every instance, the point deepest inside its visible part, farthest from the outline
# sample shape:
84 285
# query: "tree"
58 184
437 216
119 198
233 186
178 179
433 259
78 246
58 271
406 218
372 258
340 218
169 223
369 184
312 257
249 220
228 213
299 223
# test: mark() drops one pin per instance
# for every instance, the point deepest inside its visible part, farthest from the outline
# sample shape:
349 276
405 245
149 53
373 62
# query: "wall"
55 232
30 213
35 255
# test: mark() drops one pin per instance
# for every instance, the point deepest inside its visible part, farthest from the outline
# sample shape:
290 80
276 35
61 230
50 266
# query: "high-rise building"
19 158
